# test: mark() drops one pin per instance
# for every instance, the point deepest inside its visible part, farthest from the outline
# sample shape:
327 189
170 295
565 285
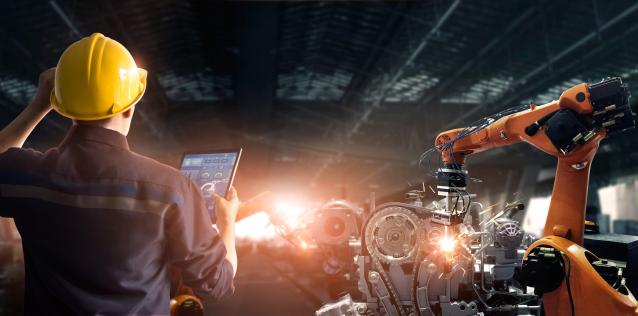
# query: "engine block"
410 264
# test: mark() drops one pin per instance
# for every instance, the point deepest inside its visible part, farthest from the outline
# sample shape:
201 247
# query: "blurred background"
335 100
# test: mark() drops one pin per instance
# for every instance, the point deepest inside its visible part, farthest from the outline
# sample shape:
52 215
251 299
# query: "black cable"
479 296
461 195
456 202
471 129
569 288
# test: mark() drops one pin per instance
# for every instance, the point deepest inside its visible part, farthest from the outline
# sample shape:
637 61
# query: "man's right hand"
15 134
262 202
46 83
226 209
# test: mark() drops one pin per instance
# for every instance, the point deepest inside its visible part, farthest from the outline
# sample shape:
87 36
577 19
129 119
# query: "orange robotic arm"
571 130
567 209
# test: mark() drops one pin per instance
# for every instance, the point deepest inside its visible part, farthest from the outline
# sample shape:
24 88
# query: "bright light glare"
447 244
609 198
258 227
290 211
128 73
255 227
536 214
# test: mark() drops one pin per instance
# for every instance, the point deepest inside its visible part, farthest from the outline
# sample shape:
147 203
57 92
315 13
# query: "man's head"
98 83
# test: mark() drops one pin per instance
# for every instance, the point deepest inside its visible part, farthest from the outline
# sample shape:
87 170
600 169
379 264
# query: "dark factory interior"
338 101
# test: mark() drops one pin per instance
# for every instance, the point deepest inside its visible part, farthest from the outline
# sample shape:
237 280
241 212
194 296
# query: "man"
101 225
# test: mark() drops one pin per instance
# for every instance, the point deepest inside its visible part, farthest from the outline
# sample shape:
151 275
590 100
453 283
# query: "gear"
508 234
392 234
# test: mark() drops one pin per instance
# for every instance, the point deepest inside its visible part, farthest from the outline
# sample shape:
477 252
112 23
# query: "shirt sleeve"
196 249
13 163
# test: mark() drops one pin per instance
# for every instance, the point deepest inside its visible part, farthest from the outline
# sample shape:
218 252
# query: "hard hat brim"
57 106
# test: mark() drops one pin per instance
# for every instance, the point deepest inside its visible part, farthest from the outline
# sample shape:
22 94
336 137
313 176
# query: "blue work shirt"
101 225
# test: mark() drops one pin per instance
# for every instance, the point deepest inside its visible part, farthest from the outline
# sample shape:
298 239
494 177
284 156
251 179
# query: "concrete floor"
263 287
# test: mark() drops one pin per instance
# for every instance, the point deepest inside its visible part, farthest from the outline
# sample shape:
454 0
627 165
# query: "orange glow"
258 227
290 210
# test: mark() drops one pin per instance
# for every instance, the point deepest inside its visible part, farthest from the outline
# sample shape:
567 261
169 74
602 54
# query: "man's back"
100 225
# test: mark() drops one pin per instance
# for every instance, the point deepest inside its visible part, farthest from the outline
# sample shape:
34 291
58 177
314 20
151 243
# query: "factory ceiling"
318 88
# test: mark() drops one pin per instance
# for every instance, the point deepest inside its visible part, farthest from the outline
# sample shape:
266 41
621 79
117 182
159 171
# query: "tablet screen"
212 172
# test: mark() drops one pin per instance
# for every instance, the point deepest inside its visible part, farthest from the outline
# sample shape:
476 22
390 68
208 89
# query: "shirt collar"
79 132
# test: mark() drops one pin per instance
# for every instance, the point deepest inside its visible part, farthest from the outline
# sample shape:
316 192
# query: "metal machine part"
392 234
571 130
543 269
456 268
508 233
412 265
335 223
620 249
441 283
610 271
567 130
610 102
459 308
345 306
405 262
415 197
451 184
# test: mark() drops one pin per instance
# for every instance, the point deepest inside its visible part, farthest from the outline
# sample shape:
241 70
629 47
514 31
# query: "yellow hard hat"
96 78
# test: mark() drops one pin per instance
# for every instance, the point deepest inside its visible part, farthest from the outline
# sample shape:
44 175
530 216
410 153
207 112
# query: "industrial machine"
417 260
570 279
434 259
410 263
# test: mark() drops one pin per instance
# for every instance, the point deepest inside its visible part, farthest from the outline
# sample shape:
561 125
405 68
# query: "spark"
447 244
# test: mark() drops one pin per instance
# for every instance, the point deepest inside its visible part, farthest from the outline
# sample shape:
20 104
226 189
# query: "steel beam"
574 46
382 154
360 77
65 18
536 85
398 74
441 88
405 65
525 78
13 105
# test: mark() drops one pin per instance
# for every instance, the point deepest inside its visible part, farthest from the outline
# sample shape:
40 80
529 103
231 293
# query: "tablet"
212 171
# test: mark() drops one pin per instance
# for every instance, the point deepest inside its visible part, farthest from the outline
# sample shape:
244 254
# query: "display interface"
211 172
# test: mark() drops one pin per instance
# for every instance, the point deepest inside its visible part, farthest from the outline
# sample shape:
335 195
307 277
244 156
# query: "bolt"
374 277
580 165
431 268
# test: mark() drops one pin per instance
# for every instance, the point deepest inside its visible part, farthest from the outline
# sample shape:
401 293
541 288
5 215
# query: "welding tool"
571 130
